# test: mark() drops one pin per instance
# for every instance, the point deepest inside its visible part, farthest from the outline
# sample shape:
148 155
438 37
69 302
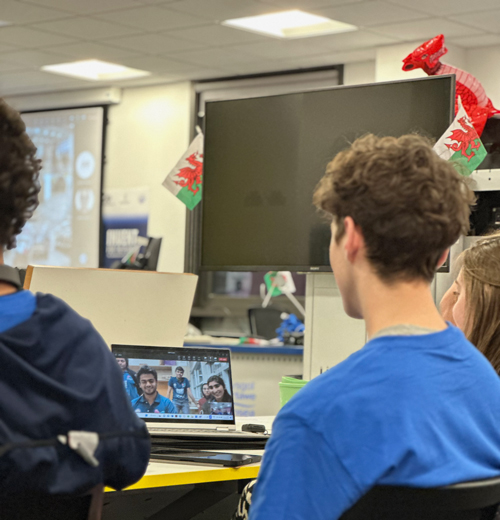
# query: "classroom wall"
147 133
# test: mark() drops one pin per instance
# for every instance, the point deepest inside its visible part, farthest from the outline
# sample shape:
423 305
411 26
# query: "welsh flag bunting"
186 178
461 144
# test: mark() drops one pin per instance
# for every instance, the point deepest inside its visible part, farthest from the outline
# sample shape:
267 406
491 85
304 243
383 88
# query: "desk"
170 491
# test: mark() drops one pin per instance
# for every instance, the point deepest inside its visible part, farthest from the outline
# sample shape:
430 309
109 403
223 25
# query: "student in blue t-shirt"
151 401
418 405
180 391
129 378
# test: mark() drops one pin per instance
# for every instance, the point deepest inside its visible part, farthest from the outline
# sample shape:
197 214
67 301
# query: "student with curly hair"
418 405
57 374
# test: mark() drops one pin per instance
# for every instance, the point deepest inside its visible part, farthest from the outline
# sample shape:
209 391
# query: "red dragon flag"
186 178
461 144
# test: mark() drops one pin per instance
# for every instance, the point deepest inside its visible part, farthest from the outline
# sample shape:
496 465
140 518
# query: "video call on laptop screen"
171 384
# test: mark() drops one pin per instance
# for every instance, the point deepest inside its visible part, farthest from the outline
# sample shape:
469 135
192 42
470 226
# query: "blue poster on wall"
125 217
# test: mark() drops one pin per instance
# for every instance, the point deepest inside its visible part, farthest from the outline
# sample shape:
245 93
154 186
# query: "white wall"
359 72
484 64
147 133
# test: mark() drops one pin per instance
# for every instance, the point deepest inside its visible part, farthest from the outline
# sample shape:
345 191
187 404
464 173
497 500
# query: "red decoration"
191 177
474 99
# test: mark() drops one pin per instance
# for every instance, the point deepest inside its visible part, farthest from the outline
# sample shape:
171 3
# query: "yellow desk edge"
195 477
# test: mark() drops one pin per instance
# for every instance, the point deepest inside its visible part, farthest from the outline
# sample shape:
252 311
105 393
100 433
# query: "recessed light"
290 24
95 70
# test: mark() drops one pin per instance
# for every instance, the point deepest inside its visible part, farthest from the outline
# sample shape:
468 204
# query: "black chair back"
34 506
477 500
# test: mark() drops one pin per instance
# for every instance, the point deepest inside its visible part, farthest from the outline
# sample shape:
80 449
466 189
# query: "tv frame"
321 268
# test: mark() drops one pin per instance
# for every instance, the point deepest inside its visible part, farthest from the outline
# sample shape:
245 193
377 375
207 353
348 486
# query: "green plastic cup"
288 389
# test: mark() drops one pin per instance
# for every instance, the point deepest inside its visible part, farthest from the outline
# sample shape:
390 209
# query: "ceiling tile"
218 10
86 6
215 57
485 20
153 44
86 28
482 40
22 13
26 37
371 13
277 49
332 58
354 40
217 35
307 4
157 64
91 50
424 29
33 78
33 57
447 7
6 66
5 47
153 18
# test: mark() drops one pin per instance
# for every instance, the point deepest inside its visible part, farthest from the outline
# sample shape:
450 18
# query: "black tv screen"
264 157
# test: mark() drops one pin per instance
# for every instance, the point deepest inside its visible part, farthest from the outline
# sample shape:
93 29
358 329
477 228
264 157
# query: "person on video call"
219 394
418 405
207 396
129 378
180 391
151 401
58 374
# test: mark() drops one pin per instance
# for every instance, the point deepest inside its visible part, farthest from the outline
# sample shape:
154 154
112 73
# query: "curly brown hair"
410 204
19 170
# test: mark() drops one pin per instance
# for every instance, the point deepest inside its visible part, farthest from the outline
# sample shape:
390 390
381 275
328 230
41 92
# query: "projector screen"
64 230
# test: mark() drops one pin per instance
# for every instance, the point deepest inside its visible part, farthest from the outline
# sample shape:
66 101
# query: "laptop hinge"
222 429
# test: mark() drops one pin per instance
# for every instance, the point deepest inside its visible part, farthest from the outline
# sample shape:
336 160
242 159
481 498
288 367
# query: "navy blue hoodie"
56 375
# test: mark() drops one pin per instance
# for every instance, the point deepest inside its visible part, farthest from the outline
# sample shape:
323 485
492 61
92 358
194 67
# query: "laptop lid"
190 386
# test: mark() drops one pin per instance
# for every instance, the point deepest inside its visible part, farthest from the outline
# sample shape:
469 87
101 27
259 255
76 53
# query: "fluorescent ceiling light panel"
290 24
95 70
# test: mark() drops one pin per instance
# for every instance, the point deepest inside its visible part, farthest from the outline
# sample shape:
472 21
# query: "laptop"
180 390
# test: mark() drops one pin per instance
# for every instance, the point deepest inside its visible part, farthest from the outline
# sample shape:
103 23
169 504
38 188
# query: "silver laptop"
180 390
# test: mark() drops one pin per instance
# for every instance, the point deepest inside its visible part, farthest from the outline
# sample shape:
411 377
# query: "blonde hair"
481 275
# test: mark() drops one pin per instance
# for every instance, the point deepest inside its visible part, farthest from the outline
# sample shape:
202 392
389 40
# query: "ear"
442 258
355 241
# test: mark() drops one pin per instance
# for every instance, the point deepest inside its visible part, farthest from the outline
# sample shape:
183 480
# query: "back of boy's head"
409 203
19 170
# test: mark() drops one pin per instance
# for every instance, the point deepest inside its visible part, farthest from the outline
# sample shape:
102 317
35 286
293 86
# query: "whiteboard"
125 306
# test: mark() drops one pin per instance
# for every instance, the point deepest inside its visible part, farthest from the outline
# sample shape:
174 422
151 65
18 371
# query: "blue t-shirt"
180 389
404 410
130 388
16 308
160 405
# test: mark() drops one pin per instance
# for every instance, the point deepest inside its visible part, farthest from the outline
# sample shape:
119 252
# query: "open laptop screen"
178 384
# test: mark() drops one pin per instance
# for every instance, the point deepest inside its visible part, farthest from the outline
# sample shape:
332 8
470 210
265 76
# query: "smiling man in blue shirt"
151 401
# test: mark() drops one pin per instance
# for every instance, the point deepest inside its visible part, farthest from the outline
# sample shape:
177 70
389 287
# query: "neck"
151 398
408 303
5 288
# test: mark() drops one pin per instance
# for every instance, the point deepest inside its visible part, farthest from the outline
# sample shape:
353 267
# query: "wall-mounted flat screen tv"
264 157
